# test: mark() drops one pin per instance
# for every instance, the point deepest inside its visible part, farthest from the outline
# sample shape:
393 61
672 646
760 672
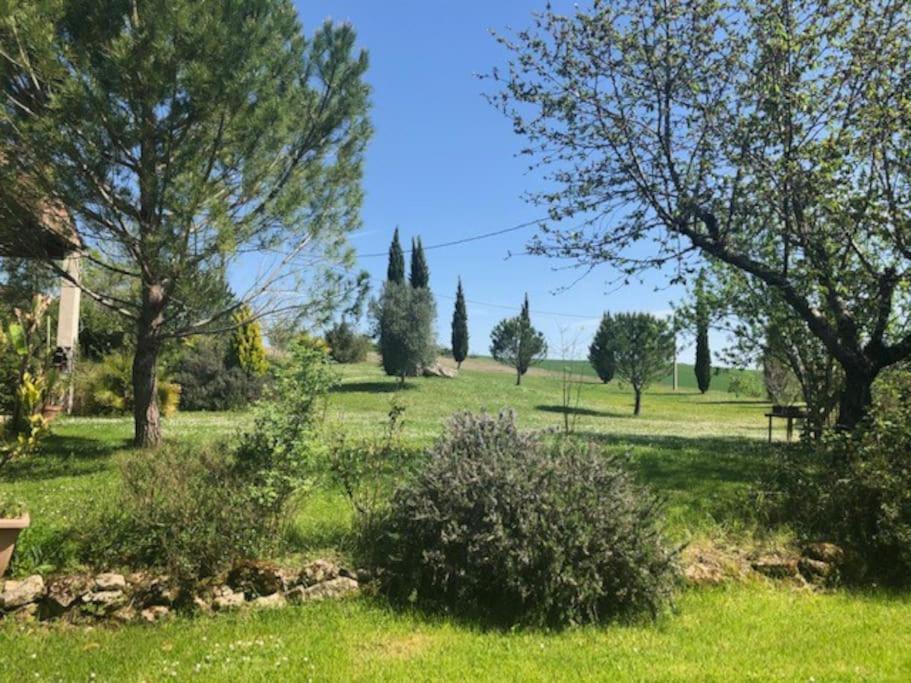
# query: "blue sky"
443 165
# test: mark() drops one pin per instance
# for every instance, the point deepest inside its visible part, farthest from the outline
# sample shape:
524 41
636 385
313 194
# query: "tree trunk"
638 407
518 377
856 398
146 416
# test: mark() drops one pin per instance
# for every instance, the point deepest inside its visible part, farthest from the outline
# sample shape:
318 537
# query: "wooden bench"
789 413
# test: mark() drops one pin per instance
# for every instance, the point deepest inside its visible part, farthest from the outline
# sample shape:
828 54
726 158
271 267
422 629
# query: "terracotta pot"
9 532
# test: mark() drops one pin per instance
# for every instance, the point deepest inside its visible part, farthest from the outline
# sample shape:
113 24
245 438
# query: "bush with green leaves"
745 383
279 453
106 388
185 509
346 345
512 527
854 488
206 383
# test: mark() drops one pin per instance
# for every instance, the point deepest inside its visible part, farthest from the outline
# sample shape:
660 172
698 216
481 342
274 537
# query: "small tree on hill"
420 273
703 366
643 348
459 327
601 352
395 272
516 343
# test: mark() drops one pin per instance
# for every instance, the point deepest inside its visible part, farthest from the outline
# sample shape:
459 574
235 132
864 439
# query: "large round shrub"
501 524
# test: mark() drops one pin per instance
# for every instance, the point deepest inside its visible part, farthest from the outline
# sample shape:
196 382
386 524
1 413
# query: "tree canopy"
771 136
459 327
601 350
420 272
395 271
643 350
180 136
515 342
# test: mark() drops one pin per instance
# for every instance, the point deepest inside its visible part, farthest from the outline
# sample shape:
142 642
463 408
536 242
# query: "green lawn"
686 377
700 452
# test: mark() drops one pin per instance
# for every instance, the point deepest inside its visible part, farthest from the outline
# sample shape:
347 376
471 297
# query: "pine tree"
703 366
396 269
459 327
246 350
420 273
516 343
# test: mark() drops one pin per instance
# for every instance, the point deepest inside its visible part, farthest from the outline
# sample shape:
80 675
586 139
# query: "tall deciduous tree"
459 327
703 366
515 342
420 273
179 135
395 271
246 350
643 347
770 135
601 350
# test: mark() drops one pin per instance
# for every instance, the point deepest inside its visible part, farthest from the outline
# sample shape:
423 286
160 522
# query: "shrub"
278 454
744 383
365 469
498 523
106 388
855 488
207 384
346 345
185 509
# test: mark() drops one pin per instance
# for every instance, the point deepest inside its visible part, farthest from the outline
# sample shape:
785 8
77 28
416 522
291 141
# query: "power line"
465 240
516 308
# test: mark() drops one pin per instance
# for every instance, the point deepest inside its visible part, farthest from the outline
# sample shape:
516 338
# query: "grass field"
700 452
686 378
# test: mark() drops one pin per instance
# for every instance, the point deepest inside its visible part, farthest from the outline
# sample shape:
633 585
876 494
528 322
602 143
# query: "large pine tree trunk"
638 407
146 415
518 377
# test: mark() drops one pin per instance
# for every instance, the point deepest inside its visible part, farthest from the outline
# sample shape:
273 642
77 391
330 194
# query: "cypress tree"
396 269
601 351
703 366
459 327
420 273
525 315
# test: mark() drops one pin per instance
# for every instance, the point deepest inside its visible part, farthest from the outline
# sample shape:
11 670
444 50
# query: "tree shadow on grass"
583 412
372 388
701 474
64 456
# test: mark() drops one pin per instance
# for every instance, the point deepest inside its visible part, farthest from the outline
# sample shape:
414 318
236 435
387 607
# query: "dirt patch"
403 647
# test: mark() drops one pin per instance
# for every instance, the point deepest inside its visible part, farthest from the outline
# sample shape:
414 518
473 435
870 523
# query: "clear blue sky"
443 165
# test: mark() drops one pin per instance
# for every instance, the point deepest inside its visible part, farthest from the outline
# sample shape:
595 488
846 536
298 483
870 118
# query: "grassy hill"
687 378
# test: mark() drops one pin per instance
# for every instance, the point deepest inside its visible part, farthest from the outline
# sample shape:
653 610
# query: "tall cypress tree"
703 367
525 315
459 327
395 272
420 273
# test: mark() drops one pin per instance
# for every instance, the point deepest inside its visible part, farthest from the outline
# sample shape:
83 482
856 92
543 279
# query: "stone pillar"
68 321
